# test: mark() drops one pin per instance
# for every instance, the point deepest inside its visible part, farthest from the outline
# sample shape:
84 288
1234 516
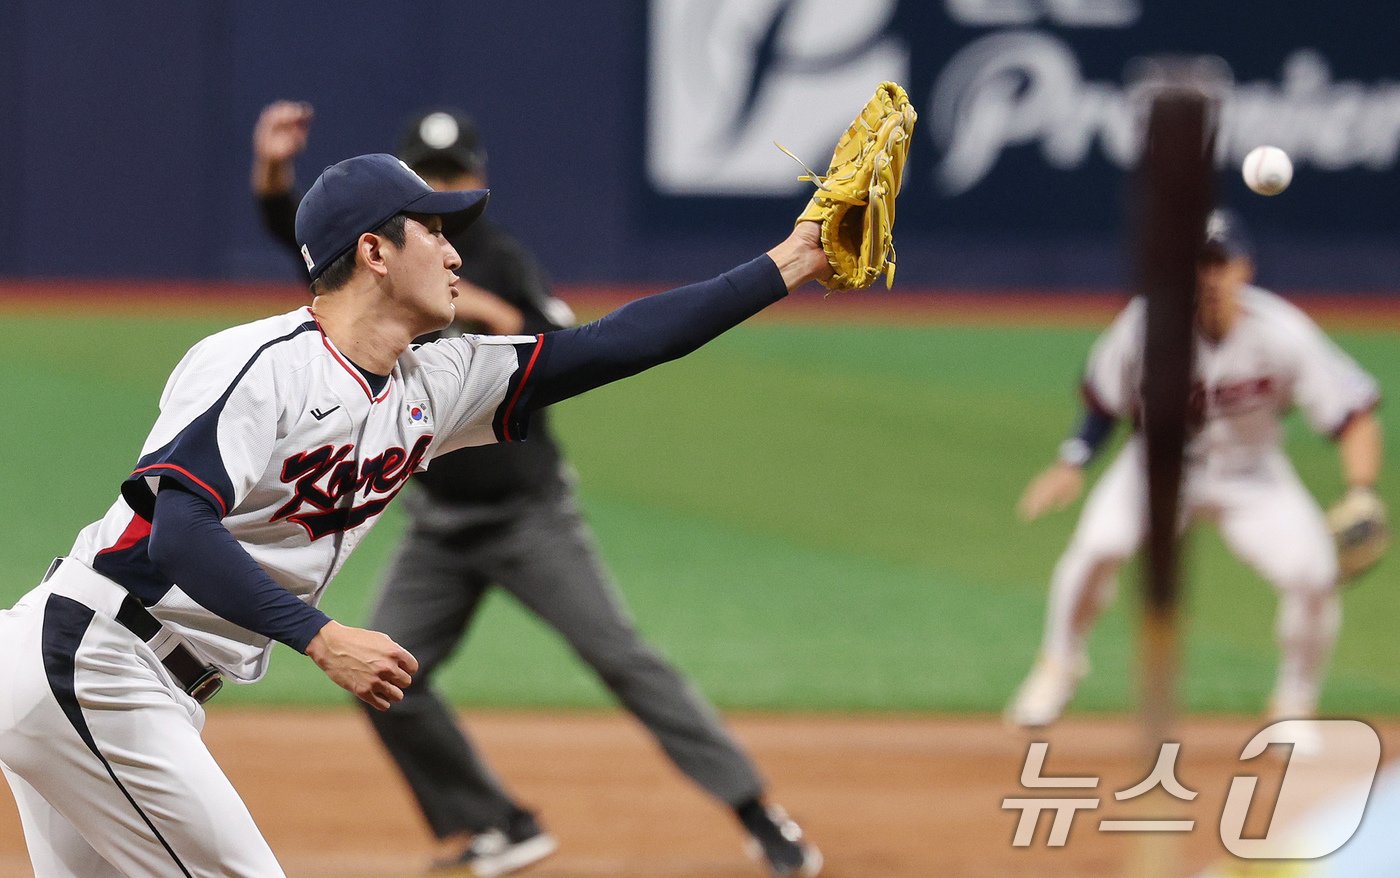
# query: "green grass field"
802 517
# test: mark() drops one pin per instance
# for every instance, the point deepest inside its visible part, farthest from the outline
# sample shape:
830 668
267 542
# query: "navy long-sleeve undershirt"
650 331
190 544
1095 426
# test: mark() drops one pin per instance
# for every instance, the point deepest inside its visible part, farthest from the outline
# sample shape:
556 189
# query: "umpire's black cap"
361 194
1226 235
442 135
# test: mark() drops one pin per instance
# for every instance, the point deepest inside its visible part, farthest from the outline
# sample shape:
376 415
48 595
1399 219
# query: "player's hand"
279 137
1055 488
281 131
367 664
801 258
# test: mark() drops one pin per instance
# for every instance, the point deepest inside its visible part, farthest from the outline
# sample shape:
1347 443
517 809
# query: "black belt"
200 681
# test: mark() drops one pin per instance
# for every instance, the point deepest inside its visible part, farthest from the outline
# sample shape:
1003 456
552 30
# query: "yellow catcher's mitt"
854 202
1357 522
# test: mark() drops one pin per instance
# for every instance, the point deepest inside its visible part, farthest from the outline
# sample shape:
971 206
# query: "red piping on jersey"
354 373
515 397
136 531
223 510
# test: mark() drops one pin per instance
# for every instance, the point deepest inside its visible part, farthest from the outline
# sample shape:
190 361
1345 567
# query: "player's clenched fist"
281 130
278 137
367 664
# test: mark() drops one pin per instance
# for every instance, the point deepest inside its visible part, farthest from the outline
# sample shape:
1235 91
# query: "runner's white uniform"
298 498
1236 473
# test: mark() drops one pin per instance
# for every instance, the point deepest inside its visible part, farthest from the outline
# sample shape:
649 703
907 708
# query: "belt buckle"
206 687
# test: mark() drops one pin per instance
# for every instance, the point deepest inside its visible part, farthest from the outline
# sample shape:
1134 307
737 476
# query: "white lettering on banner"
1021 87
1066 13
1016 88
728 77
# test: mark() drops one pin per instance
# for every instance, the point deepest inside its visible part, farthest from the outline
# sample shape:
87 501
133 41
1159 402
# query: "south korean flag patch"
418 413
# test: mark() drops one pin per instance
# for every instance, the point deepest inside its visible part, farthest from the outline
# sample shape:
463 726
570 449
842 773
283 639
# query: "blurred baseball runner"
1256 357
277 446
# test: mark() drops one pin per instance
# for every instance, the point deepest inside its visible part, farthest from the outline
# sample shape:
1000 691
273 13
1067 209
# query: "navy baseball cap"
1226 235
361 194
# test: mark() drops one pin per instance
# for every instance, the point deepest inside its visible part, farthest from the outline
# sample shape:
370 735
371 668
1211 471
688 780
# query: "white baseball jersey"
1236 475
1273 358
288 440
300 452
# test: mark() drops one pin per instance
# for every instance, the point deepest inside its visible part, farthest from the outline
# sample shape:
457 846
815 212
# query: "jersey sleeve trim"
195 449
137 530
127 562
186 478
511 422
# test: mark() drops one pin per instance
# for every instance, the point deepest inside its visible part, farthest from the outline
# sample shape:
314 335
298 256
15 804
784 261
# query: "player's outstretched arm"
1358 520
800 258
1061 483
1055 488
668 325
1359 446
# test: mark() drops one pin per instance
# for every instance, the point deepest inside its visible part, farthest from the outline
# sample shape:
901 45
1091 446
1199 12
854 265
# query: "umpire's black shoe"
777 839
502 851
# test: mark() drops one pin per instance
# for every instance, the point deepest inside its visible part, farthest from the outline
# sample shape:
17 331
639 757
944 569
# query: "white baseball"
1267 170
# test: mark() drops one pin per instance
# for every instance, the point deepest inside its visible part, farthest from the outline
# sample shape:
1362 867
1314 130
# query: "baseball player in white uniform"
1256 358
277 446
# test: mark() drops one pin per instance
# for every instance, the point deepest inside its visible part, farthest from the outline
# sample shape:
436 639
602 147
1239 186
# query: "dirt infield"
886 797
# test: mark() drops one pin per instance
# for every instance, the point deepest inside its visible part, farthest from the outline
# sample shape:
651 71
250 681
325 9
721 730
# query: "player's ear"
369 252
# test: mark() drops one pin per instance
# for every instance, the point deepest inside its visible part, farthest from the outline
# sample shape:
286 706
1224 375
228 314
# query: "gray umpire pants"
541 551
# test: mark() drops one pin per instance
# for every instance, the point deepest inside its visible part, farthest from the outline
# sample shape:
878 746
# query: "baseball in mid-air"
1267 170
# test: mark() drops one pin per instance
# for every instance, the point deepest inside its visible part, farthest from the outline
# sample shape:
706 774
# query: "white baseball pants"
1266 517
102 748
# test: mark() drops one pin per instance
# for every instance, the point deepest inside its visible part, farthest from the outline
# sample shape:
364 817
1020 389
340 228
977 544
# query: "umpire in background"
506 515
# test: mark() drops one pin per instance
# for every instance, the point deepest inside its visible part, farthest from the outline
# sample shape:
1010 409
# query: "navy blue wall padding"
128 126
